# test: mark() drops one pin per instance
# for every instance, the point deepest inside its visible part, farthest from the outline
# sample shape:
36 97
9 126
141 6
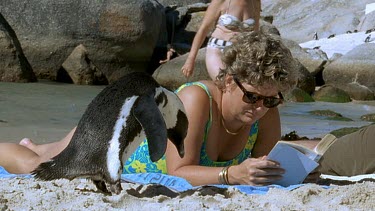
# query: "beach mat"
176 184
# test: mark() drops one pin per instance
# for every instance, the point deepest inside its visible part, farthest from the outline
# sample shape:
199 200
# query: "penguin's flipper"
148 115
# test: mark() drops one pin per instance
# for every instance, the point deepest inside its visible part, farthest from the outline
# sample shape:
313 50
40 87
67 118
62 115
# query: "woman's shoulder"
202 91
196 88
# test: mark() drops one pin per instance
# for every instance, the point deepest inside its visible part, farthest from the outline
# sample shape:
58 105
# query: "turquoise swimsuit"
140 162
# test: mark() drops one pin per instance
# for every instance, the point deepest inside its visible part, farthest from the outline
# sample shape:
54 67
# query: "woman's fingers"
265 180
262 171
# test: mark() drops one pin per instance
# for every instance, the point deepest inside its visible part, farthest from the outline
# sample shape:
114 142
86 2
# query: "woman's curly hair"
259 59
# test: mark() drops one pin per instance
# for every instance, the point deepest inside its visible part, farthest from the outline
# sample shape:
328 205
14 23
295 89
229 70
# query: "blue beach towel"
174 183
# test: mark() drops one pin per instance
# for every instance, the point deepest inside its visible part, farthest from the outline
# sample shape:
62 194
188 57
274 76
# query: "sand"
81 194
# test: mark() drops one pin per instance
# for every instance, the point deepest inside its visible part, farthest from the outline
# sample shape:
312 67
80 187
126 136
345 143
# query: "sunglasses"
251 98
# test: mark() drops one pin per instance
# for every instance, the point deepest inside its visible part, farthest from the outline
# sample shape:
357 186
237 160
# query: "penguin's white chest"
113 161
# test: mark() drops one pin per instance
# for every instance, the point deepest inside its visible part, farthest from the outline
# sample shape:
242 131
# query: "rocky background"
96 42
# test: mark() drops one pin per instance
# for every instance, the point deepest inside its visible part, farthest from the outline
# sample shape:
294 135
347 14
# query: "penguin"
331 36
368 38
315 37
113 126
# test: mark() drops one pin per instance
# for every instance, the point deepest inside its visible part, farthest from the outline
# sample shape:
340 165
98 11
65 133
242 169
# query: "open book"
297 160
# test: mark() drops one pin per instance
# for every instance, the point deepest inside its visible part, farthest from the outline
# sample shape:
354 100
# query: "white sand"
80 194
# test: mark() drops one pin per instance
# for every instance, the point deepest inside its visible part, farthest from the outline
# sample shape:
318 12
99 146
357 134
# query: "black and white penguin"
368 38
113 126
315 37
331 36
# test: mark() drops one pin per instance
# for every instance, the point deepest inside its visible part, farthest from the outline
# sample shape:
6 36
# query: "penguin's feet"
108 188
114 188
101 186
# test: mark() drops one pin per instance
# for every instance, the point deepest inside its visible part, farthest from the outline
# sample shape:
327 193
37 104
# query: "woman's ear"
228 83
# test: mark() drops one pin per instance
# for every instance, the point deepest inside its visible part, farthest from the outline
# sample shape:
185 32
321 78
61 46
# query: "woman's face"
250 103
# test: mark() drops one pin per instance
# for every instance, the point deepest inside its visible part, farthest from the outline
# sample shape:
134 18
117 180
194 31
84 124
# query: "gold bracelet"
226 175
223 176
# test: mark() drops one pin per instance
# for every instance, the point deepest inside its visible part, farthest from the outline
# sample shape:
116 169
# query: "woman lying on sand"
233 122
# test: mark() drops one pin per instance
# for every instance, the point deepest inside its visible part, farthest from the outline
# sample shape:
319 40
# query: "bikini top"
232 22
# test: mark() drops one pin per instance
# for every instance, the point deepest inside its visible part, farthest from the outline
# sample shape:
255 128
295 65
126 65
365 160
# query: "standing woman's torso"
236 16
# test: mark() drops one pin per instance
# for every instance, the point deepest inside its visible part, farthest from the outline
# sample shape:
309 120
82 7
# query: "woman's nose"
259 103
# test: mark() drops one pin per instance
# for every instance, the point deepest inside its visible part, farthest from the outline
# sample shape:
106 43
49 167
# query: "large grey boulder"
169 74
116 33
358 65
367 22
79 68
14 66
313 59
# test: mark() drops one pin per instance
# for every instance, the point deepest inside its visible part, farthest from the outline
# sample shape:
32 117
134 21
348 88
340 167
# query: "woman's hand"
255 171
314 176
188 68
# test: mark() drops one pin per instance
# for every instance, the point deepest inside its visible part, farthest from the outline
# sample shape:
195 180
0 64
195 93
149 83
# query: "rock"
307 81
116 33
368 117
181 2
313 60
329 93
367 22
344 131
169 74
357 91
357 65
330 114
335 56
81 70
298 95
298 20
14 66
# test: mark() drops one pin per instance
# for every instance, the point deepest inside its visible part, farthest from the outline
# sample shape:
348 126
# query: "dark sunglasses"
251 98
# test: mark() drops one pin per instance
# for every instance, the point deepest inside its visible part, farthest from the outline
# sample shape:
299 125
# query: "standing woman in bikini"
230 17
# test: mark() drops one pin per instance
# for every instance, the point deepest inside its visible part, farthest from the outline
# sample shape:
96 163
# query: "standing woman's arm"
213 13
257 10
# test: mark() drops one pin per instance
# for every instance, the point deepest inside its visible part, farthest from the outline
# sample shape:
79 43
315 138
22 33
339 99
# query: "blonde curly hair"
259 59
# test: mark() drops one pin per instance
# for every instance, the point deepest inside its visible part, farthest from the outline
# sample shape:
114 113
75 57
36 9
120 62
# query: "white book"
297 160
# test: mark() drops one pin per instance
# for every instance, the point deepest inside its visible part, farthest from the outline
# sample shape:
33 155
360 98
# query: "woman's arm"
258 9
197 106
258 170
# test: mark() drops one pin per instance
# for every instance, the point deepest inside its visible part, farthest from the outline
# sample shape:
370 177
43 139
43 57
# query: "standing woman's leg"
22 159
352 154
213 61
